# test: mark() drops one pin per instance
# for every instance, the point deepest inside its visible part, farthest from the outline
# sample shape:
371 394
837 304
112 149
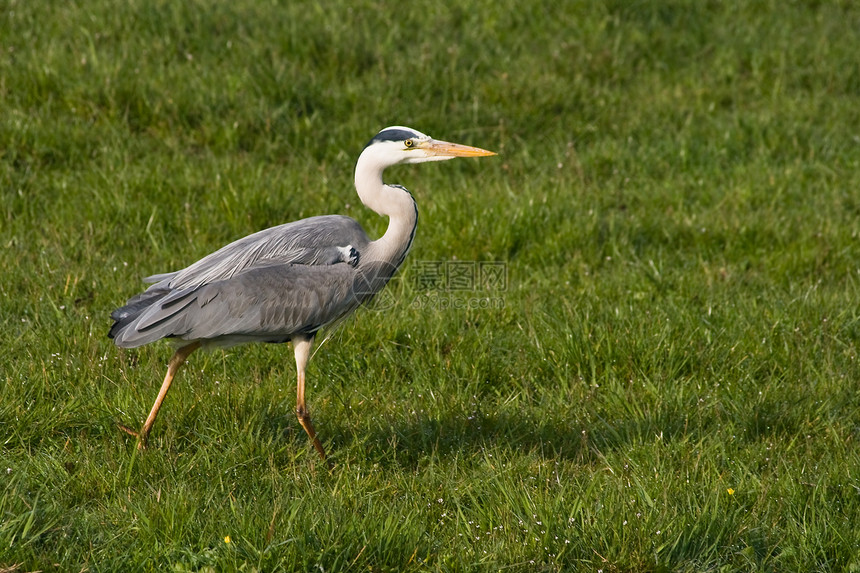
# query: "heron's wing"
324 240
266 304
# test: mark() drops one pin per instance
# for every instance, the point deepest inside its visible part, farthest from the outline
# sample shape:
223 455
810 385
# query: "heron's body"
290 279
287 282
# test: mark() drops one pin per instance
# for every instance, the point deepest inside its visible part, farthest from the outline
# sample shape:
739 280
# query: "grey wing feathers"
312 241
267 304
288 279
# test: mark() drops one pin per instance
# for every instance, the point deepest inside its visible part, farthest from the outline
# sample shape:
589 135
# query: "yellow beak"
447 149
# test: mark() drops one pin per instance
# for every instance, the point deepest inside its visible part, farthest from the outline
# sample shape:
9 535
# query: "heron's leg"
176 361
302 346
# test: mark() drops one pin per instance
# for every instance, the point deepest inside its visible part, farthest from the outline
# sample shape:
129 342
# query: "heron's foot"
305 421
141 440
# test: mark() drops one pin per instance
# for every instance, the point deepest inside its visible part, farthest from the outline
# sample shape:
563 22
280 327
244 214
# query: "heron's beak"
437 148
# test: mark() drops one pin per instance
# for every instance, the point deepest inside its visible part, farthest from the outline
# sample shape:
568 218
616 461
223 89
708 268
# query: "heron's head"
398 144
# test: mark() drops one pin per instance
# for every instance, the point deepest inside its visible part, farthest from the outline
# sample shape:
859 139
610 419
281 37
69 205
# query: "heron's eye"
408 143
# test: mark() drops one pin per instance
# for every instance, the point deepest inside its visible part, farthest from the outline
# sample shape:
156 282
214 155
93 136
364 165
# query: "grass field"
666 380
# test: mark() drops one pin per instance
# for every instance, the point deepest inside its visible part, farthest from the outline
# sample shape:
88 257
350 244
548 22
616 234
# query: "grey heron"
287 282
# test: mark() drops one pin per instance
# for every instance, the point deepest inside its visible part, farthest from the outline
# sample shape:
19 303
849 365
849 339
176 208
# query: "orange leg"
302 346
176 361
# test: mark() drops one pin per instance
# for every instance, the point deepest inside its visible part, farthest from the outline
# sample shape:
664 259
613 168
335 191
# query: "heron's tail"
123 330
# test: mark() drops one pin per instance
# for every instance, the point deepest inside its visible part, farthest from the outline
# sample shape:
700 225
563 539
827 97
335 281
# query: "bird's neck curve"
394 202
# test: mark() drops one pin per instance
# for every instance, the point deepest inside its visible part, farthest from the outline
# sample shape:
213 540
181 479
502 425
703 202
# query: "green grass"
670 382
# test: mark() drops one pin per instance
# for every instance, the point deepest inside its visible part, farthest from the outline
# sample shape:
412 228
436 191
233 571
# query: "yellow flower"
731 491
227 539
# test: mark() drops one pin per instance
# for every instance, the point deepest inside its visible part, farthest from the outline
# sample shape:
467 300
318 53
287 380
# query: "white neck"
394 202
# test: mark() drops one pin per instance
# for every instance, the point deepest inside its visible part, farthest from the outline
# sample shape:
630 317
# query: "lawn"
627 343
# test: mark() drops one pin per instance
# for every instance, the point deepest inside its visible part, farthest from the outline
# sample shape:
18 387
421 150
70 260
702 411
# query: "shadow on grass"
409 440
408 443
